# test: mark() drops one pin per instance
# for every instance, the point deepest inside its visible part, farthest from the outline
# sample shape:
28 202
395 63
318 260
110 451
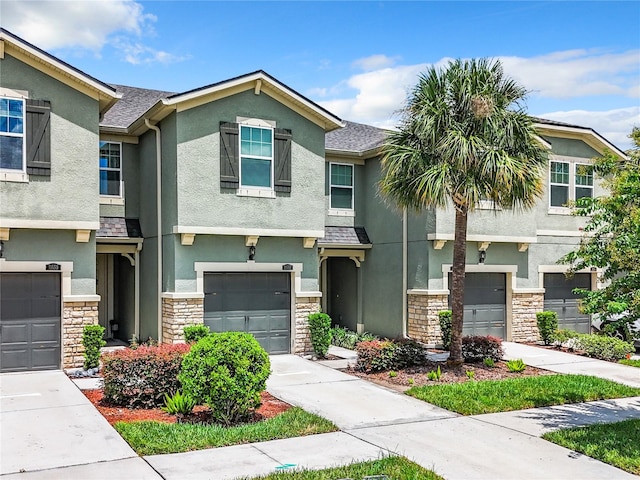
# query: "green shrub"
477 348
376 356
435 375
408 353
345 338
393 374
604 348
178 404
563 336
489 362
141 377
516 366
92 342
470 374
445 328
547 325
228 372
193 333
320 329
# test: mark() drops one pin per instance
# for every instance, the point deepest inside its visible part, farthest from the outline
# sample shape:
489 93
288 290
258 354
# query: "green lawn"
474 398
151 438
396 468
631 363
617 444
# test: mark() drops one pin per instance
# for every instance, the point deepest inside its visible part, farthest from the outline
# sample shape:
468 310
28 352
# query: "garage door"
484 304
30 306
256 303
559 298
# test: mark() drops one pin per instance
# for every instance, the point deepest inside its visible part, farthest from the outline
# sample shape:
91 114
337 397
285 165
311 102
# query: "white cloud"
374 62
615 125
85 25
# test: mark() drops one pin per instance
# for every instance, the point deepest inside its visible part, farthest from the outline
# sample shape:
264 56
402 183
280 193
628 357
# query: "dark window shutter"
229 155
38 137
282 140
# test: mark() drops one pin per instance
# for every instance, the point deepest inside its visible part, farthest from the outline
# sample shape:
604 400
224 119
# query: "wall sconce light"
252 252
482 256
1 249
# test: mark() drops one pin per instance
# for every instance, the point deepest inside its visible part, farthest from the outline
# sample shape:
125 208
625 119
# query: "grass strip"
613 443
492 396
152 438
396 468
631 363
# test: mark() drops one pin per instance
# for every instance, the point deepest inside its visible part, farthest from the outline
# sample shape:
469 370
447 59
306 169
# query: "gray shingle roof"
134 102
546 121
355 137
345 236
118 227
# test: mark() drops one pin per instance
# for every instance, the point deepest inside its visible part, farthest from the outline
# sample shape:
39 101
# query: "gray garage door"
257 303
30 307
484 304
559 298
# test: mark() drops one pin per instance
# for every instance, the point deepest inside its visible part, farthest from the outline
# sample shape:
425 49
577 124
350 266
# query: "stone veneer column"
305 306
424 324
74 317
524 306
178 313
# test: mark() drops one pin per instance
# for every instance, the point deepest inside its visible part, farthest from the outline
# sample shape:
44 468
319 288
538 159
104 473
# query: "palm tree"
464 136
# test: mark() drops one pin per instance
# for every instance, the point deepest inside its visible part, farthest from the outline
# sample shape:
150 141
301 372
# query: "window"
12 151
341 186
569 182
256 157
110 169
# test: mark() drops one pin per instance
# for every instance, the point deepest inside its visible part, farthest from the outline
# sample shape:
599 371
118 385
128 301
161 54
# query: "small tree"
547 325
445 328
612 238
320 329
92 342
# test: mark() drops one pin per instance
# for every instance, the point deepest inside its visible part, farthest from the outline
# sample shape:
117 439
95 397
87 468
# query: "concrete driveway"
46 424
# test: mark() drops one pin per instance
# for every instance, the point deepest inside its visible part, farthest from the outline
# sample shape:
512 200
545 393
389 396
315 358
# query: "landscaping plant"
178 404
193 333
435 375
226 371
140 378
489 362
376 356
445 328
320 329
470 374
547 325
516 366
92 342
477 348
604 348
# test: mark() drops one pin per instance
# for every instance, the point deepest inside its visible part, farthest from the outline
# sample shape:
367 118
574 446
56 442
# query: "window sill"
111 200
255 192
559 211
336 212
18 177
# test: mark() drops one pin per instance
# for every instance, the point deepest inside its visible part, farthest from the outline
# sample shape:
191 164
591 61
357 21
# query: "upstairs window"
584 181
559 183
569 182
110 169
12 150
341 186
256 157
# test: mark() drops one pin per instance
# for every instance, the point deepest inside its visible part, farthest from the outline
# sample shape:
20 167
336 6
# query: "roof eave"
588 135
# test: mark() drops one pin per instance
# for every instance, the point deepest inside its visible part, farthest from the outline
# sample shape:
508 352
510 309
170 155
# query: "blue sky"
580 60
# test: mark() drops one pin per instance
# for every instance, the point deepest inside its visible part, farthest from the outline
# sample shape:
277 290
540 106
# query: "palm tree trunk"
457 285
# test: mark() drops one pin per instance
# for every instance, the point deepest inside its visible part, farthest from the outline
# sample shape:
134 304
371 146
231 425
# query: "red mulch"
270 407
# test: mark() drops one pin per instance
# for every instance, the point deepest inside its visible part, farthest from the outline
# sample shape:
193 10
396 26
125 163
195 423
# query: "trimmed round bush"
320 330
228 372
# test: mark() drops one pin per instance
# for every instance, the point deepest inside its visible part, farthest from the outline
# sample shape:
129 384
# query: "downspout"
405 246
159 220
136 297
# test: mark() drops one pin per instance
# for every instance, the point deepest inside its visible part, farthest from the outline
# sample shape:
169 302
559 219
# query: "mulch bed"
270 407
402 381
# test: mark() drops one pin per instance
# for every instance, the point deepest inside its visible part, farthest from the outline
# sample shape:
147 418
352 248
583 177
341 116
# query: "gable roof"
355 139
39 59
131 106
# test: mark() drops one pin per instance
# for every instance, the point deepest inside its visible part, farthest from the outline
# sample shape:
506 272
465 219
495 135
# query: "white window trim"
250 190
105 198
573 165
575 174
14 174
344 212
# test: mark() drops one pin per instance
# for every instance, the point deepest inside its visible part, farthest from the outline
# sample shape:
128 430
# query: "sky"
580 61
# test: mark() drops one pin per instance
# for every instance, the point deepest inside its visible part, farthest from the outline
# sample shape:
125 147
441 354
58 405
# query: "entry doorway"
342 292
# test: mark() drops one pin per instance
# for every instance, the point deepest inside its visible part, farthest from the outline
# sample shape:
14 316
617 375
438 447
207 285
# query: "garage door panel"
45 358
14 334
485 296
45 332
14 308
15 360
560 298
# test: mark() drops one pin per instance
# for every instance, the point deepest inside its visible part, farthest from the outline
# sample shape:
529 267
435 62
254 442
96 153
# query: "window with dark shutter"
38 137
229 177
282 140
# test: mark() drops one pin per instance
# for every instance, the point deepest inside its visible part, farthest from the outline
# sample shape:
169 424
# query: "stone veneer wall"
424 324
75 316
524 307
178 313
305 306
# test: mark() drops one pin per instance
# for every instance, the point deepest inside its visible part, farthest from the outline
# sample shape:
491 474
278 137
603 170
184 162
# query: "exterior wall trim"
526 291
48 224
182 295
80 298
419 291
263 232
483 238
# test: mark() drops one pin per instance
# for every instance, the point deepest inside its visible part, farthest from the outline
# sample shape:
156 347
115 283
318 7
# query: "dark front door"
342 302
485 298
256 303
30 307
559 298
